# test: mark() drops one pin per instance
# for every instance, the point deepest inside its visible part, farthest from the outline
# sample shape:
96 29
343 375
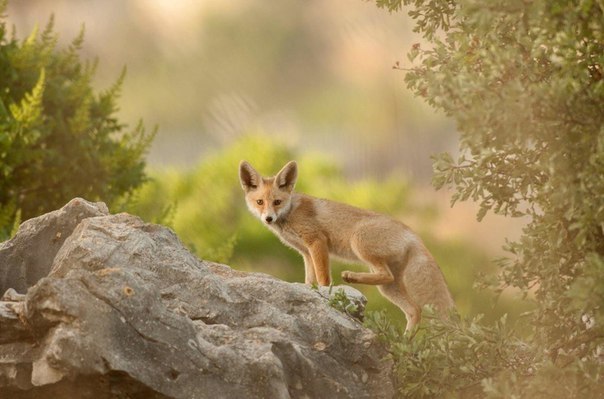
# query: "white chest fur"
289 237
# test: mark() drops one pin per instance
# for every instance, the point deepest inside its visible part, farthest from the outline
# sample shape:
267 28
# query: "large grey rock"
127 311
28 256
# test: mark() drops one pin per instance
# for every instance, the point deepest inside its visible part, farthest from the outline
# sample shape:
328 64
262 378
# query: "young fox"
401 266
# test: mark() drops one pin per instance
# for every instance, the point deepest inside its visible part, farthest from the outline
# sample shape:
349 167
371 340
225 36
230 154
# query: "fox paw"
348 277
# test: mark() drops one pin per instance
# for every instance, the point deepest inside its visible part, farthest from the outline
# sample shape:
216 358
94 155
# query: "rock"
28 256
127 311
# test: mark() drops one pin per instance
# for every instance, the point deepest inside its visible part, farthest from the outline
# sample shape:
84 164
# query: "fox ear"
287 176
248 176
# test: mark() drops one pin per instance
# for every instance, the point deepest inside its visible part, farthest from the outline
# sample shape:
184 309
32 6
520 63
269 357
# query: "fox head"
269 198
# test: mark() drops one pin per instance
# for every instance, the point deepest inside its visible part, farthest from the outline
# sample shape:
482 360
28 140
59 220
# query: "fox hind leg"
397 294
388 278
382 275
391 290
380 271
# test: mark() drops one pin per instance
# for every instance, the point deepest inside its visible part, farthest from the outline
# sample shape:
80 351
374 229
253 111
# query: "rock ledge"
105 306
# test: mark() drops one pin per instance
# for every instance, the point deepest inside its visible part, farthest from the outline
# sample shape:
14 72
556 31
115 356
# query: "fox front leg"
309 270
319 254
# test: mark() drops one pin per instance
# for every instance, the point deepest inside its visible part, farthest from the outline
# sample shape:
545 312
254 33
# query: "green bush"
340 301
451 357
58 138
524 81
209 210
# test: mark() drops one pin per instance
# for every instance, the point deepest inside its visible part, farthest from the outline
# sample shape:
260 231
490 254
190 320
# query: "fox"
399 263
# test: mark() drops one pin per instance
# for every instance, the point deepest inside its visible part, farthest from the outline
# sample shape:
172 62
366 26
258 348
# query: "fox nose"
269 219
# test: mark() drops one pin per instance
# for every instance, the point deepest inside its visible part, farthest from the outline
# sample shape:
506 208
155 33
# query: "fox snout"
268 216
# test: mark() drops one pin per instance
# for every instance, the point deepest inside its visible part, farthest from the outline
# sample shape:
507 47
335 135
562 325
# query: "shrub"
524 80
58 138
450 356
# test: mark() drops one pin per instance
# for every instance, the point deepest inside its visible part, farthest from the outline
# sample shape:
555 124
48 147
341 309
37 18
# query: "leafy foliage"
205 204
58 138
340 301
524 82
450 356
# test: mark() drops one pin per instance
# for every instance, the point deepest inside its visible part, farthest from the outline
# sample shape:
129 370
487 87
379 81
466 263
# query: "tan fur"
399 263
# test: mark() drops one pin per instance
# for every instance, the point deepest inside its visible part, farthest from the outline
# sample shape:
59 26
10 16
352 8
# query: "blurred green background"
269 82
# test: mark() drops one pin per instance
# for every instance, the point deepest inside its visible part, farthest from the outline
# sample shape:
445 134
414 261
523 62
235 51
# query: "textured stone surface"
127 311
28 256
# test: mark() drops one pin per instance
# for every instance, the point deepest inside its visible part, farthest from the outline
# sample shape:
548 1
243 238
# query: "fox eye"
260 202
276 202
